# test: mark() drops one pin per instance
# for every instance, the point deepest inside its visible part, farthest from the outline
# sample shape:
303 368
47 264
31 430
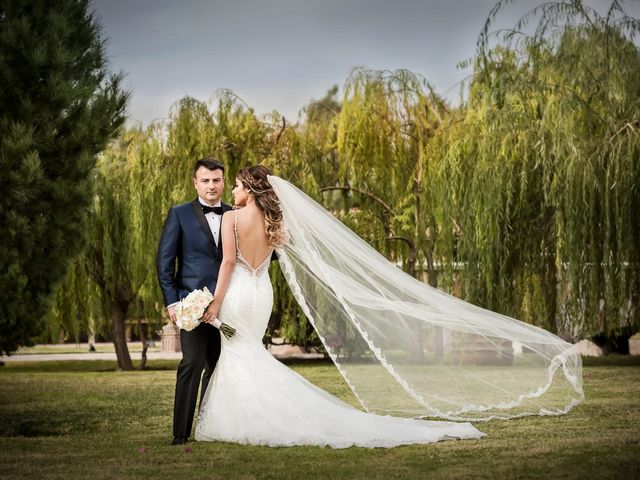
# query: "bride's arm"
226 267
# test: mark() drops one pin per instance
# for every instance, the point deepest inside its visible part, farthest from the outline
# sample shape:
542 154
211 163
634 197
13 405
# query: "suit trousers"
200 351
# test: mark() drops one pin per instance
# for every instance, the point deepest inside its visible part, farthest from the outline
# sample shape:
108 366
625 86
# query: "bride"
404 349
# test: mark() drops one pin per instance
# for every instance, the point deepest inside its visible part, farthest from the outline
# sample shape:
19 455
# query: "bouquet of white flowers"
190 309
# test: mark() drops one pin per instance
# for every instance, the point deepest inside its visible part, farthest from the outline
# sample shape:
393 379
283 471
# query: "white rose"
191 308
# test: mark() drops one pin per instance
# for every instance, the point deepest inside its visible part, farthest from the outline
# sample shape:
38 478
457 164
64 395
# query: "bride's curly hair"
255 180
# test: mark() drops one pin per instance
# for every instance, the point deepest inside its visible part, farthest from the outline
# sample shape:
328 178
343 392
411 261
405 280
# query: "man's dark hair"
209 163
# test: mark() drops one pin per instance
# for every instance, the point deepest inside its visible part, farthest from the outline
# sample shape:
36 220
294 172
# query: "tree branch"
373 197
403 239
284 126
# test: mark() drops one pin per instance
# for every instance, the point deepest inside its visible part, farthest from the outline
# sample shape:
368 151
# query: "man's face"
209 184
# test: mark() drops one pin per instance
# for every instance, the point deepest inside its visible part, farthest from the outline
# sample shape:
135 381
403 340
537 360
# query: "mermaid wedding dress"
254 399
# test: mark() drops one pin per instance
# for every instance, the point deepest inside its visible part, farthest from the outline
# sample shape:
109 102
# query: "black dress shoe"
179 441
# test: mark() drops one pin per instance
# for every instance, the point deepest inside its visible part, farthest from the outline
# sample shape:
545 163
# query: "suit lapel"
197 211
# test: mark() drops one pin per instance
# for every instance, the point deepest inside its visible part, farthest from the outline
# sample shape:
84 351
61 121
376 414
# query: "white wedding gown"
254 399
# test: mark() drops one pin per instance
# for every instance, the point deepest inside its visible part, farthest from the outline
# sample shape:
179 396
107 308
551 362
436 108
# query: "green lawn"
103 347
86 420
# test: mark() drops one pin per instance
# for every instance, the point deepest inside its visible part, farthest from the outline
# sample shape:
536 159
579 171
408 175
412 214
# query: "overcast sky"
281 54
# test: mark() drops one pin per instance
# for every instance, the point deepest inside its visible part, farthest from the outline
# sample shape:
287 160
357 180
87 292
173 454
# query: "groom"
191 235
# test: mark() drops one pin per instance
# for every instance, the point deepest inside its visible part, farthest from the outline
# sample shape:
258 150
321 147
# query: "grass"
104 347
86 420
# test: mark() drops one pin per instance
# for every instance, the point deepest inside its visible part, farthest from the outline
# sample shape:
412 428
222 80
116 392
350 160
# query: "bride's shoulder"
228 218
229 213
241 215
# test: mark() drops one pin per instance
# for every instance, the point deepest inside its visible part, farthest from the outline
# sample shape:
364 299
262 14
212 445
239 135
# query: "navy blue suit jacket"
187 240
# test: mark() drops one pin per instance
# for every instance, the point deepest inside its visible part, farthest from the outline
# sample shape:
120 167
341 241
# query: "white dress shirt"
213 219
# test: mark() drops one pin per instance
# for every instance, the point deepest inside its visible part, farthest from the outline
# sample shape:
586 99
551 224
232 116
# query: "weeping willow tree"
304 154
138 179
111 281
541 172
382 133
380 139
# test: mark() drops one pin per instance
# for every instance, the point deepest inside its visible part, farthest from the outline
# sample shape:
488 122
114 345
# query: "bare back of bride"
254 399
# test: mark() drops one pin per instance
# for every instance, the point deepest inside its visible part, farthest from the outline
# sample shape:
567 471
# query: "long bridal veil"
405 348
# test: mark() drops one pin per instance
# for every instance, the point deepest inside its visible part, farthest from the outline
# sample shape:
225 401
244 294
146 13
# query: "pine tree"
59 106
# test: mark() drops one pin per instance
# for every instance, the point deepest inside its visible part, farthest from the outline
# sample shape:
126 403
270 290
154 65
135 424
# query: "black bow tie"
206 209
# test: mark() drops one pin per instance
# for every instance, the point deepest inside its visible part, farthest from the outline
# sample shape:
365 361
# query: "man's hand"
171 310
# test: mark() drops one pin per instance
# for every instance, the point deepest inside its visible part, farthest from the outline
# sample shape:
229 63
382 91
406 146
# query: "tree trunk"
118 314
417 356
438 336
92 335
417 351
145 345
551 276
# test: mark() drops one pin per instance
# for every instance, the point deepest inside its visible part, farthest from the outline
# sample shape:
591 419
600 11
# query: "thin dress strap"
235 232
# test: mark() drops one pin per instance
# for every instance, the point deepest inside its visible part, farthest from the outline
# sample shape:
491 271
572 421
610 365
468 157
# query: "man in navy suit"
191 236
